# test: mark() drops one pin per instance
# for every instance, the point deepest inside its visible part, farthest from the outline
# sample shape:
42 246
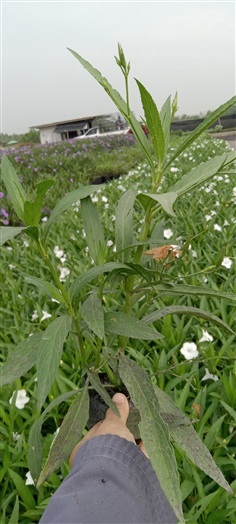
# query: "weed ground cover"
194 363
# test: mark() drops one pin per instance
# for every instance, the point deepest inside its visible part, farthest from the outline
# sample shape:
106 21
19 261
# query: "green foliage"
83 287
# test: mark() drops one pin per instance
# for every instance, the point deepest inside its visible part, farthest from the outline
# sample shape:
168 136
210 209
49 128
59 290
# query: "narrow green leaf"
165 116
15 513
153 122
165 290
32 209
92 314
13 186
154 431
35 441
21 359
187 438
121 324
210 437
93 229
124 222
45 287
201 173
7 233
67 201
166 200
93 273
230 410
49 354
98 386
22 490
120 104
185 310
209 120
69 434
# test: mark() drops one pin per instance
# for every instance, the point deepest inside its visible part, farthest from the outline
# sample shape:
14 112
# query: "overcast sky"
187 47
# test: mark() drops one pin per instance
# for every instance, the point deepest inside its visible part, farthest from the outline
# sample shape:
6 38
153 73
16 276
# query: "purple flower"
35 169
4 213
5 222
1 194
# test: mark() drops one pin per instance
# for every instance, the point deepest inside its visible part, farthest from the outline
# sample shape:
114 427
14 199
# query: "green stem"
111 375
127 94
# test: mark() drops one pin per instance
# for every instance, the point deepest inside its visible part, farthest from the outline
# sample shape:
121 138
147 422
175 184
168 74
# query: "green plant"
100 310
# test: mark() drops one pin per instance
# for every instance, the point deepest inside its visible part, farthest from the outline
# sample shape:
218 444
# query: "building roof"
85 118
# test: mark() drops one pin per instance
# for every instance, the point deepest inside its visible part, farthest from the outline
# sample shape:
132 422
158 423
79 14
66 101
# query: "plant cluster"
125 316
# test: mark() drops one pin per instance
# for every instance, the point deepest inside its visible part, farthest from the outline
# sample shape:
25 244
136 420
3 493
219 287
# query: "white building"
59 131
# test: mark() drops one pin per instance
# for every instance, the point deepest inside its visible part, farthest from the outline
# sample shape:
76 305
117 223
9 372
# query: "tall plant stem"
127 94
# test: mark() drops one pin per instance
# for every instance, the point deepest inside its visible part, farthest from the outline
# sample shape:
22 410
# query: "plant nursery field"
195 361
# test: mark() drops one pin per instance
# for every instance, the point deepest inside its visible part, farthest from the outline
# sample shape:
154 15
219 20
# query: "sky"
188 47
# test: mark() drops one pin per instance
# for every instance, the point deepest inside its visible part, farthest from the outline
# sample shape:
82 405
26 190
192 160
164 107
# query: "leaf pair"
158 427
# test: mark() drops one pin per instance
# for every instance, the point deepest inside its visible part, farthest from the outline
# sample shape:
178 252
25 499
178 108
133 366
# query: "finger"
122 405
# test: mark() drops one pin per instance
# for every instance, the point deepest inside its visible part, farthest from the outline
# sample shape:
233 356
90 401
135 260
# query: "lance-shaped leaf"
187 438
165 116
15 513
185 310
94 231
7 233
153 122
121 324
67 201
49 354
200 174
69 434
13 186
154 431
120 104
20 359
98 386
92 314
93 273
166 200
208 121
167 290
32 210
45 287
124 222
35 441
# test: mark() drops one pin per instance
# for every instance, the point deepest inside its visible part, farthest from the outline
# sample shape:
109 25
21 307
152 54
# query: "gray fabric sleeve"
111 482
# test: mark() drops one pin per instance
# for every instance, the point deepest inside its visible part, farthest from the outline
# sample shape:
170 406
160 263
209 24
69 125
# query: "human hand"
111 425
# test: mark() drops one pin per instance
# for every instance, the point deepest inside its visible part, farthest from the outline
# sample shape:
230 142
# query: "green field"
201 384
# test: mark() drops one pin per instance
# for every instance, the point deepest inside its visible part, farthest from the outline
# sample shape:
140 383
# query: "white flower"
227 262
21 399
174 169
168 233
11 266
226 223
29 481
94 199
44 219
206 337
209 376
25 244
217 227
45 316
109 243
208 217
15 436
59 253
35 315
104 199
54 300
189 350
64 272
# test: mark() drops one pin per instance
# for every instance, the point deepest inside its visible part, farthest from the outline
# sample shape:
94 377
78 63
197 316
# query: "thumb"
122 405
